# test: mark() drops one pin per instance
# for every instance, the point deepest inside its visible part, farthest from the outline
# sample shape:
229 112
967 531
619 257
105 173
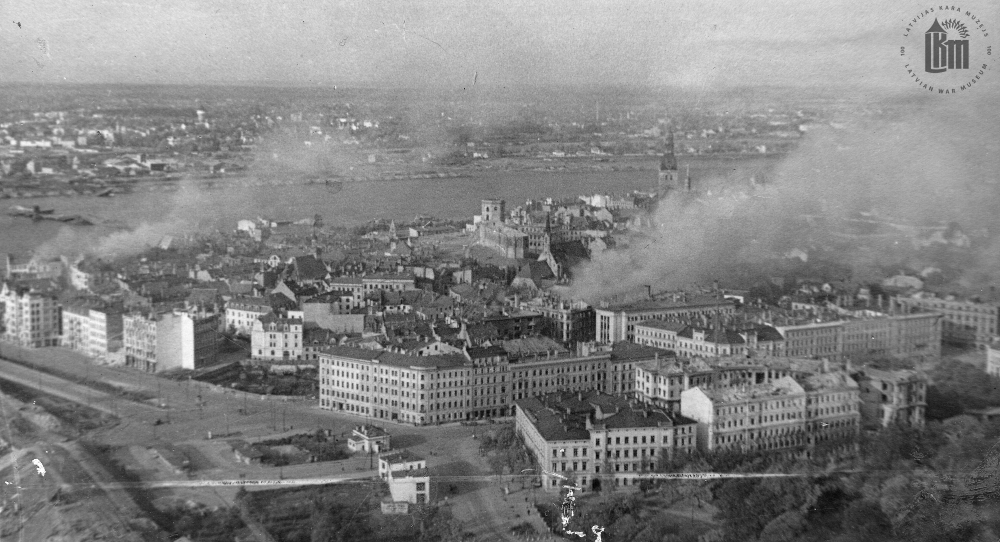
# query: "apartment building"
278 337
695 341
395 282
243 311
170 340
966 321
616 322
765 417
661 381
865 334
32 316
807 415
896 396
92 328
594 440
569 321
386 385
478 383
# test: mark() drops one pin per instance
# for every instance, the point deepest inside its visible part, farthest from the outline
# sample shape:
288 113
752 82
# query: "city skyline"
460 45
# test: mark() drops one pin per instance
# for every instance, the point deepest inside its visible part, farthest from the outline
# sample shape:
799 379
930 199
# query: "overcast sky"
454 43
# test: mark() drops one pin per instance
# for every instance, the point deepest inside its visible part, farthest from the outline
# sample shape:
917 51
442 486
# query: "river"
356 203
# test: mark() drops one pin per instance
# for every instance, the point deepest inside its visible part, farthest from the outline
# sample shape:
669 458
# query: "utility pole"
284 411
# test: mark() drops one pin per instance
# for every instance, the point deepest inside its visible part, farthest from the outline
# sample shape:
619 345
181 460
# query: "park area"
296 380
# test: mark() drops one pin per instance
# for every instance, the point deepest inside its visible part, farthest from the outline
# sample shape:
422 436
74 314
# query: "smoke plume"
934 161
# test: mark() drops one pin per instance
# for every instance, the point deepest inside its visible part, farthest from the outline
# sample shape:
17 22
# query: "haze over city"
715 271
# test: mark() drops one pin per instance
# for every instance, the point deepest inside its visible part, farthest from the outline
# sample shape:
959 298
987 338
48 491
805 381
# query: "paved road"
194 409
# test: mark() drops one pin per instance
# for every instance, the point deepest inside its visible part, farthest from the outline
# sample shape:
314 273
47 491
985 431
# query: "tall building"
594 440
170 340
667 178
493 211
105 331
32 316
92 328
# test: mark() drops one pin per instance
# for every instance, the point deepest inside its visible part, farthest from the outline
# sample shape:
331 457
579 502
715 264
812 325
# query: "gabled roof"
309 268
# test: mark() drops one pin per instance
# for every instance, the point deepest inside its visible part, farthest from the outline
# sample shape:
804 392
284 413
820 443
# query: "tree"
866 521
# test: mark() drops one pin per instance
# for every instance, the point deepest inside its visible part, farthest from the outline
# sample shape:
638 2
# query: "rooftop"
564 415
383 357
399 456
671 303
784 386
370 431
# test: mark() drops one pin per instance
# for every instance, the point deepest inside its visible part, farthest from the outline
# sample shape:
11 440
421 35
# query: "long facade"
819 412
966 322
593 440
479 383
616 323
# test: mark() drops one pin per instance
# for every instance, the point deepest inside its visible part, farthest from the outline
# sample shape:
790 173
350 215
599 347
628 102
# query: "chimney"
649 291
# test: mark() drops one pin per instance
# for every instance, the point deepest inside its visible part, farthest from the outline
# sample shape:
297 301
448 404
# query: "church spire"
669 161
667 179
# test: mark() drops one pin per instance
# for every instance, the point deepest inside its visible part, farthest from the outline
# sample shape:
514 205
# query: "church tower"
667 179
